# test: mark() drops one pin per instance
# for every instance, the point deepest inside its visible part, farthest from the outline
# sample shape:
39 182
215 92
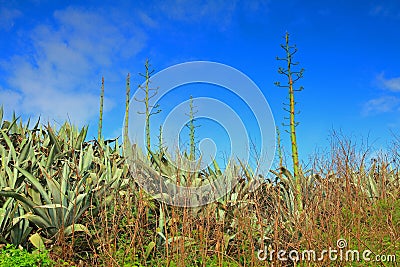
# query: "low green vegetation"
15 257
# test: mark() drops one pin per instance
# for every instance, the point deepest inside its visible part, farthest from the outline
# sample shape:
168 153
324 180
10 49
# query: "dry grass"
134 230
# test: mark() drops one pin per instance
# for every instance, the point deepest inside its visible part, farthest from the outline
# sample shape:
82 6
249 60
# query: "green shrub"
14 257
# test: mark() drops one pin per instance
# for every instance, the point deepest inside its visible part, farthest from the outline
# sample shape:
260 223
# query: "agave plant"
49 178
61 200
12 225
14 151
380 180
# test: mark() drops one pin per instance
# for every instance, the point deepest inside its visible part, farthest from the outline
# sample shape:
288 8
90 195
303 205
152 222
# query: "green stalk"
128 92
279 147
149 93
192 131
147 107
101 110
295 155
292 77
160 141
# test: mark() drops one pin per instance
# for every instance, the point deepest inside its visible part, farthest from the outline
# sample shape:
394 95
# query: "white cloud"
392 84
382 104
8 17
58 79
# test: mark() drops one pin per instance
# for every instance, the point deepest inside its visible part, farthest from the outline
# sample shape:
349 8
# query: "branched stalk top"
149 94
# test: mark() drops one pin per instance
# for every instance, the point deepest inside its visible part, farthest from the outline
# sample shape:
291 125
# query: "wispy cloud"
10 99
57 79
8 17
196 10
392 84
385 9
218 13
146 19
379 10
380 105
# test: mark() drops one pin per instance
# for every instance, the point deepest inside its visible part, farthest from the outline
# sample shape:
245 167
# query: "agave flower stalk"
292 76
101 109
192 127
149 94
126 125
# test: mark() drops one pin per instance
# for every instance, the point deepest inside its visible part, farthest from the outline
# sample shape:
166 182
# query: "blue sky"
54 53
